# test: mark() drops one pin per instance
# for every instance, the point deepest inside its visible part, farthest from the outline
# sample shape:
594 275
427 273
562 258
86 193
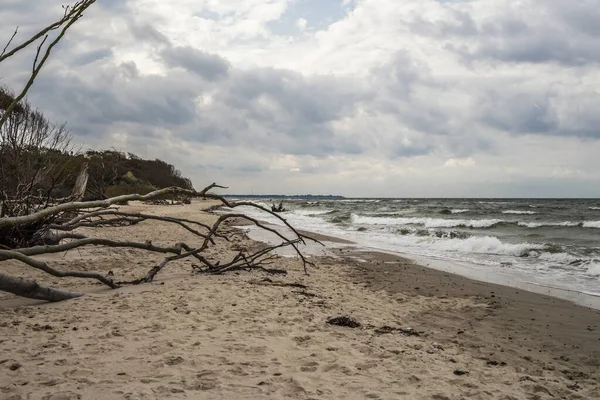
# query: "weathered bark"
82 205
32 290
80 184
48 249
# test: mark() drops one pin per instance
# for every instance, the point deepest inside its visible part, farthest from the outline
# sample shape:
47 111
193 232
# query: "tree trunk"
32 290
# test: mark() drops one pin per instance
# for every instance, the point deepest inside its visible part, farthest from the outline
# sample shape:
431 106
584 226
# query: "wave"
593 269
312 212
360 201
591 224
594 208
339 218
540 224
584 224
459 211
427 222
518 212
487 245
563 258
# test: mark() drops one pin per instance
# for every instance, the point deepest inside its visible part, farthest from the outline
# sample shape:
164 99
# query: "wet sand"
543 331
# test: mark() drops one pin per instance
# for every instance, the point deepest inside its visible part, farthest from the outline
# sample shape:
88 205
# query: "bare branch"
76 10
79 221
9 42
75 206
48 249
71 16
15 255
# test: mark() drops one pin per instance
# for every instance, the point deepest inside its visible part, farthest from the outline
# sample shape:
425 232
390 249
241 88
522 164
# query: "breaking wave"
584 224
487 245
518 212
427 222
591 224
312 212
540 224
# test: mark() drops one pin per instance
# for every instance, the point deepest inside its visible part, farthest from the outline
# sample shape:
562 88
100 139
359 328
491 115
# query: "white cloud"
459 162
301 23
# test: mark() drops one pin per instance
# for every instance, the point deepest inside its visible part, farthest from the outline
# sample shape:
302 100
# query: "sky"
363 98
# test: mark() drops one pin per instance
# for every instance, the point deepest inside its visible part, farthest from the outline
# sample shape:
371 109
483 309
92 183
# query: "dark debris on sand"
345 321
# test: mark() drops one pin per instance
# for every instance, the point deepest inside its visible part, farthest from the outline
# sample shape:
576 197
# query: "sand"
190 336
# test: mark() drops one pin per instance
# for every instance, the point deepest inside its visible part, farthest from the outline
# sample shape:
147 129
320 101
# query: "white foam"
518 212
426 222
360 201
485 245
539 224
591 224
459 211
593 269
594 208
564 258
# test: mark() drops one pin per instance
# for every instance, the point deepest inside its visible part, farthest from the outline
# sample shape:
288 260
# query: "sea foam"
486 245
426 222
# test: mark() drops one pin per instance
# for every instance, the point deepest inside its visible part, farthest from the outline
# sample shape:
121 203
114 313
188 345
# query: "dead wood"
32 290
99 213
269 282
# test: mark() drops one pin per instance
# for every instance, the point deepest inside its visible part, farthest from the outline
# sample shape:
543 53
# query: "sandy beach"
423 334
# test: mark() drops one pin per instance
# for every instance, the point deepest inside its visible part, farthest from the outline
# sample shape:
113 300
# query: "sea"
552 243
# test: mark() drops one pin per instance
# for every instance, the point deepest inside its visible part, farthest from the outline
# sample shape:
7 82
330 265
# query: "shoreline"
463 269
522 322
396 273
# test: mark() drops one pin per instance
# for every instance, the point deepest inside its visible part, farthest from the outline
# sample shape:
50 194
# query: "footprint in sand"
311 366
206 380
62 396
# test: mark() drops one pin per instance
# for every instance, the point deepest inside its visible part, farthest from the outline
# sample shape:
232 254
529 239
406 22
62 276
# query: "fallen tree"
63 219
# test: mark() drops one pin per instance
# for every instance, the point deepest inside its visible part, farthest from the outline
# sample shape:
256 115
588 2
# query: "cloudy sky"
395 98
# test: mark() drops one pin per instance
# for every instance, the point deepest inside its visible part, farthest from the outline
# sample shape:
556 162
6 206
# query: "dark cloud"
208 66
115 94
519 112
536 31
91 56
146 33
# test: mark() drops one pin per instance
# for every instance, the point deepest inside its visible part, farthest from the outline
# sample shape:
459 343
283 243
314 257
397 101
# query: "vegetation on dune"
37 157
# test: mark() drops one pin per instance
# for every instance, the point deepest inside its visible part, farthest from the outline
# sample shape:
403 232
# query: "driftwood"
72 215
32 290
278 208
